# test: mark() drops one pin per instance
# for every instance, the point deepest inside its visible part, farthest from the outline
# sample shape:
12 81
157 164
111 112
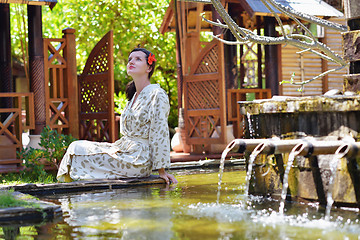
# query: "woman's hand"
167 176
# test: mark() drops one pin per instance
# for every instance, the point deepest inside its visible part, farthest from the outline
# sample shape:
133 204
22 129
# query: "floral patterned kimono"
144 146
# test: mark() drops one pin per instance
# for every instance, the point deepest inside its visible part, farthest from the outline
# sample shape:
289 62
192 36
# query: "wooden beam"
168 18
51 3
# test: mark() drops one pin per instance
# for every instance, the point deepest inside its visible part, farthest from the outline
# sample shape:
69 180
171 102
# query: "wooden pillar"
215 17
230 64
36 63
259 53
271 58
178 56
70 81
231 72
6 82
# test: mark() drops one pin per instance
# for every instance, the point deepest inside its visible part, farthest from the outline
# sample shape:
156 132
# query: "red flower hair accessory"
151 58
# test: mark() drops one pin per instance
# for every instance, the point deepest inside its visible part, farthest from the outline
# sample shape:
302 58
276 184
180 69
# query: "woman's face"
137 64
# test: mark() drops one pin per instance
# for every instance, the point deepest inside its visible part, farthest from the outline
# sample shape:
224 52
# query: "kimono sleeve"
159 138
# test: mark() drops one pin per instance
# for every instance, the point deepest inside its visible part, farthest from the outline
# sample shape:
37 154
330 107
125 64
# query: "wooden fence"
61 87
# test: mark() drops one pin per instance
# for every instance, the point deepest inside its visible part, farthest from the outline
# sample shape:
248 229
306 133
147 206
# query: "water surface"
190 210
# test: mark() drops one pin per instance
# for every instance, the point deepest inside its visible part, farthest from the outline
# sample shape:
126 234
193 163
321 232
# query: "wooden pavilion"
212 76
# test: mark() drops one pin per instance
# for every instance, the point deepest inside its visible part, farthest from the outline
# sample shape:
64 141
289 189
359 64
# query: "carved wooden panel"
96 93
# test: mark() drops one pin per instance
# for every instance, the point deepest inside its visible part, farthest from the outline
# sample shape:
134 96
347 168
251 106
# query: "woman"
145 144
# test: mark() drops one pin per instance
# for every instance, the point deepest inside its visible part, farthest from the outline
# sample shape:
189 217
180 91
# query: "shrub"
53 147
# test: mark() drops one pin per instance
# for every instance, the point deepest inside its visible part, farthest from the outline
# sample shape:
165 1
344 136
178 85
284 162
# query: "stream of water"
329 196
286 182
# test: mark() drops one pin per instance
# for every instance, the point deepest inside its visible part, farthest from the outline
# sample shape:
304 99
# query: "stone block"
352 83
351 45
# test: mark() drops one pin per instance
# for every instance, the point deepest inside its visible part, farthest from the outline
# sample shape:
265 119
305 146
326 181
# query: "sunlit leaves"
134 23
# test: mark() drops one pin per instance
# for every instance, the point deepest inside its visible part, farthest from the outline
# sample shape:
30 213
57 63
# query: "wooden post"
324 68
6 83
271 58
231 71
259 53
351 43
36 60
70 81
178 57
215 17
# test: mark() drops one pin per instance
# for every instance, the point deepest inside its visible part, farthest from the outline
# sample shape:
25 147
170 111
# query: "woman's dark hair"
130 89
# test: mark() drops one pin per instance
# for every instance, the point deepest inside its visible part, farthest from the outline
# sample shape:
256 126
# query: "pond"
193 209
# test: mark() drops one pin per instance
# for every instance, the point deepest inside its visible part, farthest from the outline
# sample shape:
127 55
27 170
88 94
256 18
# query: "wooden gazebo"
212 76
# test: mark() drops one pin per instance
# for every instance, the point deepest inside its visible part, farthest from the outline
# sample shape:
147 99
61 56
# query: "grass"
16 178
8 200
21 178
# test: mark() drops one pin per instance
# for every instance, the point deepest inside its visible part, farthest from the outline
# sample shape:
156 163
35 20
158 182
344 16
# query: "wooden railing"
235 95
61 89
14 120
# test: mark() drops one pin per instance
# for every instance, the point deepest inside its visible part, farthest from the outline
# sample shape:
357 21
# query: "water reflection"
190 210
123 213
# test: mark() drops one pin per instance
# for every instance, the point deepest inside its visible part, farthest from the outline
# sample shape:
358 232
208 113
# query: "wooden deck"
175 158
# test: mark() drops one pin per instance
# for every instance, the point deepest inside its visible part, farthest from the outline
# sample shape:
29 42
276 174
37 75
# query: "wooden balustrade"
235 95
61 89
12 124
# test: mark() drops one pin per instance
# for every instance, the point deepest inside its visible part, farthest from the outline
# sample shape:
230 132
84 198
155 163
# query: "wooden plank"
201 77
84 185
203 112
15 94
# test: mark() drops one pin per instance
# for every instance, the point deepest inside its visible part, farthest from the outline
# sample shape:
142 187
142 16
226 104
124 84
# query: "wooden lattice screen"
96 91
204 97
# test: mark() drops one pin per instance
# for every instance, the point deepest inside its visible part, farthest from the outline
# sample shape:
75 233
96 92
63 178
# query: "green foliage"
300 89
120 102
134 23
53 147
54 144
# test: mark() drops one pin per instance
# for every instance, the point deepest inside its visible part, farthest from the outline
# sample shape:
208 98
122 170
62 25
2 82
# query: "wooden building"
212 76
